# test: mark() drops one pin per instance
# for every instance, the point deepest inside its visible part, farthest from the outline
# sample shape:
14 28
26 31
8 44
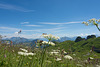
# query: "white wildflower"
93 19
50 37
26 54
97 65
51 43
68 57
58 59
56 50
55 53
74 54
31 53
91 58
65 52
23 50
21 53
85 23
44 42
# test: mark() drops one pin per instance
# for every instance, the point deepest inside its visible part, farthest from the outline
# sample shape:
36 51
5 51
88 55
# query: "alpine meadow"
49 33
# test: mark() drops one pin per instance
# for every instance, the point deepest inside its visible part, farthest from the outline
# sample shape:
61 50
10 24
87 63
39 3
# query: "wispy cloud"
32 30
86 34
46 30
33 25
53 23
14 7
29 36
8 28
25 23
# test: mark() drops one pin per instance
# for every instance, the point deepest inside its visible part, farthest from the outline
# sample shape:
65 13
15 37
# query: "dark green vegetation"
82 45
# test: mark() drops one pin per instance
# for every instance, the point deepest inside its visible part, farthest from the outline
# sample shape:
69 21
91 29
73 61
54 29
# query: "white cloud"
33 25
9 29
87 34
51 23
82 34
32 30
25 23
29 36
46 30
16 32
13 7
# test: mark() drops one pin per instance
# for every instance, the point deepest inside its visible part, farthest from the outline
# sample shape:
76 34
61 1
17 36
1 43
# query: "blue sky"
57 17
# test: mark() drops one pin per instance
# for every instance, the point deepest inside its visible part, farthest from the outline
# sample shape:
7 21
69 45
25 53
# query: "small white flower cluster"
58 54
97 65
50 37
68 57
24 50
93 21
55 52
58 59
85 23
26 54
51 43
91 58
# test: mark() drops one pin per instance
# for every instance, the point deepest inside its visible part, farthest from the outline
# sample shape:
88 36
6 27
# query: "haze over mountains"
22 40
25 40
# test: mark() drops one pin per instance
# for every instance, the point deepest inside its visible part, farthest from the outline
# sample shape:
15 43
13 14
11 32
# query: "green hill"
81 46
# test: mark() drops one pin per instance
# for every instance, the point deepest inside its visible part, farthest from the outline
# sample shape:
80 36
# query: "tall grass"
43 58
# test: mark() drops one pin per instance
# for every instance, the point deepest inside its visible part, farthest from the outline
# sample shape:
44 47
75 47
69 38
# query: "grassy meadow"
64 54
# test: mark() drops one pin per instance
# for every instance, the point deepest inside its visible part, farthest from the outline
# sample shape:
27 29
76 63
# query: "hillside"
81 46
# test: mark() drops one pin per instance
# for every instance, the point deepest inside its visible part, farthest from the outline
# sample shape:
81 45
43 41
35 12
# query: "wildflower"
98 20
5 56
50 37
68 57
93 19
31 53
56 50
97 65
58 59
23 50
51 43
74 54
13 51
26 54
65 52
85 23
44 42
56 53
91 58
21 53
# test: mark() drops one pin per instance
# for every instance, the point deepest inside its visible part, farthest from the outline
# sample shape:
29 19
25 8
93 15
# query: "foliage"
79 51
93 22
